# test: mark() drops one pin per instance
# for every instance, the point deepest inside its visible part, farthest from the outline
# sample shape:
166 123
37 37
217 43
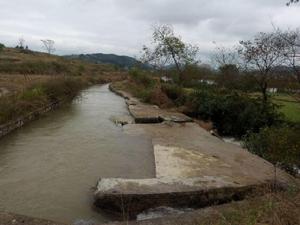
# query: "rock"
144 113
122 120
14 219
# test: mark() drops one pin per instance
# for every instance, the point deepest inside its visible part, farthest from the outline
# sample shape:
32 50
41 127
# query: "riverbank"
193 168
13 219
41 96
49 167
182 153
269 209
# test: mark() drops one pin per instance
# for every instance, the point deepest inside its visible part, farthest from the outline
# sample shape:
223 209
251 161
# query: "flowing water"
49 167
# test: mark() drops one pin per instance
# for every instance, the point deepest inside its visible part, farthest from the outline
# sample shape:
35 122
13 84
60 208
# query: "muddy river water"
49 167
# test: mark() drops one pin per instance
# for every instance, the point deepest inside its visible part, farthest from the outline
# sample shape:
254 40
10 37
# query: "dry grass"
16 61
31 80
153 95
275 209
15 83
271 209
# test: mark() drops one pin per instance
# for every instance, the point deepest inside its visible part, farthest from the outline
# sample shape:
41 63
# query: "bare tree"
2 46
291 2
169 49
21 43
291 38
49 45
225 56
263 55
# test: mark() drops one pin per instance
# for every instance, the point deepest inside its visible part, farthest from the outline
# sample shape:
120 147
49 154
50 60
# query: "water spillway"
48 168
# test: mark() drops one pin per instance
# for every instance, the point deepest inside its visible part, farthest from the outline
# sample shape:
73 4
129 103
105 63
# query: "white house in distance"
208 82
272 90
166 79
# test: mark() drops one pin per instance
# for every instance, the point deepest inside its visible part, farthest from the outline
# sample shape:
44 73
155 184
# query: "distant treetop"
291 2
1 47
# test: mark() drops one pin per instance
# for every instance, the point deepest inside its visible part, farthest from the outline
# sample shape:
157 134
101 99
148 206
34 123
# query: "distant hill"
124 62
21 61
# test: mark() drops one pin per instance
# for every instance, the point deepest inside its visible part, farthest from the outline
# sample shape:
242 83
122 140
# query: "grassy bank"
26 62
38 95
32 80
276 209
41 92
289 107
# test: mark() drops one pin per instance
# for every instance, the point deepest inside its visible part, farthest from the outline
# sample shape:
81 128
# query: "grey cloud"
123 26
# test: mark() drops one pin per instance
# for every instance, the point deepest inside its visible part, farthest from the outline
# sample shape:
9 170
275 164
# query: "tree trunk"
298 76
264 91
177 67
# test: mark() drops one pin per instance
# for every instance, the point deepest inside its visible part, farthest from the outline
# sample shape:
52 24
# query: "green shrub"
142 77
81 70
32 94
233 113
174 92
37 96
145 95
58 89
1 47
277 145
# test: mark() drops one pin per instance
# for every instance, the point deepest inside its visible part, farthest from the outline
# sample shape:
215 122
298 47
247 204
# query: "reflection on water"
49 167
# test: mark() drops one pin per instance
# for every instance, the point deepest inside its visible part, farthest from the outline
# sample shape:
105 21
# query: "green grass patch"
39 95
289 107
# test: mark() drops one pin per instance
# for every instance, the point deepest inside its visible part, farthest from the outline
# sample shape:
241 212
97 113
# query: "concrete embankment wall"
20 122
193 168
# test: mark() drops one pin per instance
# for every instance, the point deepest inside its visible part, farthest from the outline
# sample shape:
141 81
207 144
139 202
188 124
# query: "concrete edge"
134 204
9 127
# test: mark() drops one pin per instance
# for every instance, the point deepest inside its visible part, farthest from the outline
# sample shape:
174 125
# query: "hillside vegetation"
20 61
30 80
124 62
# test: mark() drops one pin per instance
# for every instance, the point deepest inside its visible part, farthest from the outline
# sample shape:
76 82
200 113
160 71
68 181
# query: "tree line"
262 56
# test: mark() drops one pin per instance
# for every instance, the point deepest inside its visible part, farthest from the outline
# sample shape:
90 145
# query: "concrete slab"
187 150
144 113
180 162
131 197
193 168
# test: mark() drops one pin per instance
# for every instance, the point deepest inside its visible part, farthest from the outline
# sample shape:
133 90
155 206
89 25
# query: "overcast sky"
123 26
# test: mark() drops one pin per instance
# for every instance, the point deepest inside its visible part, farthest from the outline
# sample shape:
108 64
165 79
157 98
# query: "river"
48 168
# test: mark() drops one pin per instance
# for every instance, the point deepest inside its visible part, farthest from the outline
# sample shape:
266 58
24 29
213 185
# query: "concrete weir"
193 168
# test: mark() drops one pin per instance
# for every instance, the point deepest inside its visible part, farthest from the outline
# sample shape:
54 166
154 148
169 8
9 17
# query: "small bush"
58 89
1 47
142 77
37 96
174 92
233 113
277 145
32 94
